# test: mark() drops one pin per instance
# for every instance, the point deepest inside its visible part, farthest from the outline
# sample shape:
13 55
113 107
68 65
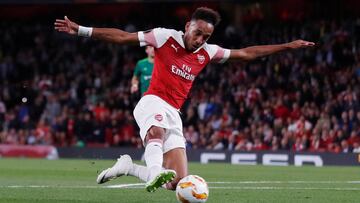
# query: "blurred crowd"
67 91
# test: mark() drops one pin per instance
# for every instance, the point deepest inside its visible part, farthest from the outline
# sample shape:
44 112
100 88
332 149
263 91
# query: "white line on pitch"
130 185
72 187
126 185
48 186
138 186
141 185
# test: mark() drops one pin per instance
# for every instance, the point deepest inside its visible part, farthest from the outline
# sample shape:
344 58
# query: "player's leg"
123 166
152 173
176 159
151 115
148 114
153 154
174 149
154 159
151 118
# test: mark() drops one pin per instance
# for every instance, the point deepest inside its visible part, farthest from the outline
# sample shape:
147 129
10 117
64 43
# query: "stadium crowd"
68 91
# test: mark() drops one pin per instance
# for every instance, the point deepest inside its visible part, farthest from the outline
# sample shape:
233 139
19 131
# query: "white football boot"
120 168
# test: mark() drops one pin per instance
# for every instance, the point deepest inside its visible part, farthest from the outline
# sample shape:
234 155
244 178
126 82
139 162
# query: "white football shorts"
150 111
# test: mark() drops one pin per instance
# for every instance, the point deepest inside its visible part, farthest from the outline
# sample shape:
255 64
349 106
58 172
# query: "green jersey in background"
143 71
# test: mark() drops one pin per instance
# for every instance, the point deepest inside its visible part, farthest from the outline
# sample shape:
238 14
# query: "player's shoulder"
167 32
210 46
216 52
162 35
143 61
211 49
157 37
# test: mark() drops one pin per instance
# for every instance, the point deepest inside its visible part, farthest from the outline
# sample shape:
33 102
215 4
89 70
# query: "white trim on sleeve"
141 38
226 56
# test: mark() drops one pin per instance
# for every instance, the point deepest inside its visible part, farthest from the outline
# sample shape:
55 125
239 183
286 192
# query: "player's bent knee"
155 133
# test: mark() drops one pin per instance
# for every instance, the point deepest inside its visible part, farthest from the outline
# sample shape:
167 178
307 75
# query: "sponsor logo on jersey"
158 117
184 72
201 58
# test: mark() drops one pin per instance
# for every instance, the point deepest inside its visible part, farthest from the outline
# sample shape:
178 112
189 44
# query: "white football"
192 188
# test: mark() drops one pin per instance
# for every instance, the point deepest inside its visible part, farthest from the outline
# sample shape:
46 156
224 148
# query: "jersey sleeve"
155 37
217 54
137 70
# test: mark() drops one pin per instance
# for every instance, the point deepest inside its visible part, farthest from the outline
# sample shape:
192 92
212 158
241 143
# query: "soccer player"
143 71
179 58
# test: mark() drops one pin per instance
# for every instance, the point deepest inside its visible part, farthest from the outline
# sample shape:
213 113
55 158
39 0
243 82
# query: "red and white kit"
175 70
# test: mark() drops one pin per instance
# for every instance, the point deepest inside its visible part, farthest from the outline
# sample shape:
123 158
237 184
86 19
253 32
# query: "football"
192 188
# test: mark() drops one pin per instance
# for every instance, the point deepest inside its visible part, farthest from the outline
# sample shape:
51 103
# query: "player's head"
150 51
200 27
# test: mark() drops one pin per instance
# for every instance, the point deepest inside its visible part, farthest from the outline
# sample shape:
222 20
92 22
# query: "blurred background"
69 92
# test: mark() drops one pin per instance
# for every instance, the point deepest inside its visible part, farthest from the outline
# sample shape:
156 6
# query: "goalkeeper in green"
142 72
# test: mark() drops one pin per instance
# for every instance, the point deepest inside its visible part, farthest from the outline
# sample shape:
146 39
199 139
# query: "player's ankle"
169 186
154 171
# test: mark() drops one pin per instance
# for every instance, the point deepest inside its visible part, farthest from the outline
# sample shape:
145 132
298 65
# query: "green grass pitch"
40 181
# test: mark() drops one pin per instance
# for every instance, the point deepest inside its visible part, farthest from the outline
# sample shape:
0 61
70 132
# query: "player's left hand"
300 44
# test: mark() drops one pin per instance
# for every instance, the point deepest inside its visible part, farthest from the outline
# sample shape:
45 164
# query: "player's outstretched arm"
253 52
134 84
104 34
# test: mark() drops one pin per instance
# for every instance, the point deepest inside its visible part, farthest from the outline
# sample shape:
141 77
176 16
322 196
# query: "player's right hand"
300 44
66 26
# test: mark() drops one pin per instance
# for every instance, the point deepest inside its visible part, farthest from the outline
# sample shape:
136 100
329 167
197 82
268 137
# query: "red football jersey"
175 69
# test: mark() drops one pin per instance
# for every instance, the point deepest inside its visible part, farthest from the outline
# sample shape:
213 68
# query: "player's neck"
151 59
186 48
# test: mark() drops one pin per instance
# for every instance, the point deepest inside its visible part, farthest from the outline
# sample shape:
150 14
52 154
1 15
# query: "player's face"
150 51
197 33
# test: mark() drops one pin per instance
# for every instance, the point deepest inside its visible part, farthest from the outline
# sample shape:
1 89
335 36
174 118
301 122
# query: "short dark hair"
207 15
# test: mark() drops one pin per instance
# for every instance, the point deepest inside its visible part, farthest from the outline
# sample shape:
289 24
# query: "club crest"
201 58
158 117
